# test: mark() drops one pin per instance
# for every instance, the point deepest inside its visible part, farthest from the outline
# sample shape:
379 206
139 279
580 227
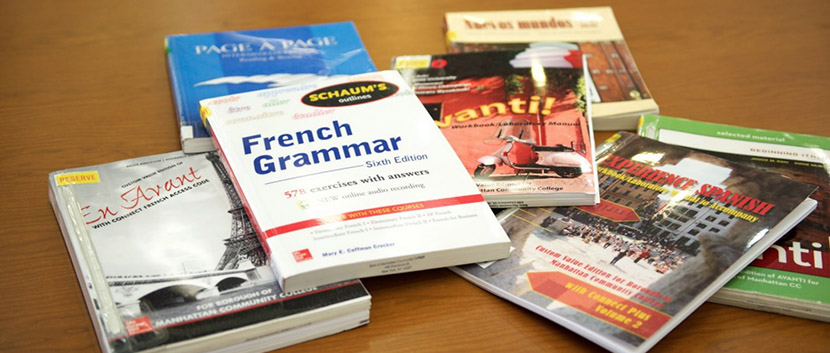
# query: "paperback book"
519 121
217 64
673 226
620 93
349 178
793 276
168 261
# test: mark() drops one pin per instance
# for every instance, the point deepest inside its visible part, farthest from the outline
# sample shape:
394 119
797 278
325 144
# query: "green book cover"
796 267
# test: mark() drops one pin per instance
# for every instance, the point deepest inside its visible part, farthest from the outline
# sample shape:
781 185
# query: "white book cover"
349 178
167 261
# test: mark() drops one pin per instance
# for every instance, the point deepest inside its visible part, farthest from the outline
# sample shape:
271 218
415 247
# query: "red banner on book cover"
377 211
612 211
628 315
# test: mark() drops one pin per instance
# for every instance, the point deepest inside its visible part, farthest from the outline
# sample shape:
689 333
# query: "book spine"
102 308
178 92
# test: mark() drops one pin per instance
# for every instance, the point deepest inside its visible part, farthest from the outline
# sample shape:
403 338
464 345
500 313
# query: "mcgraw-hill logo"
302 255
350 93
269 44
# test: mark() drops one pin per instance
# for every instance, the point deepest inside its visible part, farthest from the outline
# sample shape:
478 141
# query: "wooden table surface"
85 82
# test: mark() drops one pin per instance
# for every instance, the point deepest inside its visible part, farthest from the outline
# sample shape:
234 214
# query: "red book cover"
518 120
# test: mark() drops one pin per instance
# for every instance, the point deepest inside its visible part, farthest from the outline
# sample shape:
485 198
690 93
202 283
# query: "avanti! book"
217 64
519 121
349 178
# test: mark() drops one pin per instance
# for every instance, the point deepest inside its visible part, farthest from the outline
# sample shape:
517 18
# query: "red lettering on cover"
102 214
134 196
377 211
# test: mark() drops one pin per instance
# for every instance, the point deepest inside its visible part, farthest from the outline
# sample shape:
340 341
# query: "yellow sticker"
451 36
412 62
205 112
77 178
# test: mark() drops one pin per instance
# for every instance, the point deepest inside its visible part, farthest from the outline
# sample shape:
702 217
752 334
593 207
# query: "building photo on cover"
646 247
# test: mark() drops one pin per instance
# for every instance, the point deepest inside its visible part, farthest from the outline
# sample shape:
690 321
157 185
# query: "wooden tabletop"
85 82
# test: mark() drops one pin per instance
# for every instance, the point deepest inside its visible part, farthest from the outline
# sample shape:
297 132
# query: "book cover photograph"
209 65
619 92
518 120
166 257
349 178
793 276
672 227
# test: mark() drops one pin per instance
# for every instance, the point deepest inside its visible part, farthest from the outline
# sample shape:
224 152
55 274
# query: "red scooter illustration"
562 160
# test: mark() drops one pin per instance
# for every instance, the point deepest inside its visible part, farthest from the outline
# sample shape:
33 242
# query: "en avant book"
349 178
168 261
217 64
519 121
673 226
619 94
793 276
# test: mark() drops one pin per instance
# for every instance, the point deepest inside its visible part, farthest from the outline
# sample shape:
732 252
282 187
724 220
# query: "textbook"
619 91
349 178
519 121
793 276
167 260
673 226
217 64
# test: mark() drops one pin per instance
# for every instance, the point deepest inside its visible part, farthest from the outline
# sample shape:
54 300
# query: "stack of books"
303 169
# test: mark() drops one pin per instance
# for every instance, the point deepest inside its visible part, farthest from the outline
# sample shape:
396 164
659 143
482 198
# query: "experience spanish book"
619 91
217 64
167 260
793 276
519 121
673 226
349 178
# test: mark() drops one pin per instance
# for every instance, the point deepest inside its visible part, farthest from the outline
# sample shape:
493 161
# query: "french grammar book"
350 178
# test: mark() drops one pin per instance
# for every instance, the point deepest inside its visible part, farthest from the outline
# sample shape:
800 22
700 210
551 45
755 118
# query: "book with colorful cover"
167 260
350 178
793 276
620 94
519 121
217 64
673 226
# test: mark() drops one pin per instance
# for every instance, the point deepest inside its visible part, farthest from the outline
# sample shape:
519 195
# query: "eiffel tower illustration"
243 243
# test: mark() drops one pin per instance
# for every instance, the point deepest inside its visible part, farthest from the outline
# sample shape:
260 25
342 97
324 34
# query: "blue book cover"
217 64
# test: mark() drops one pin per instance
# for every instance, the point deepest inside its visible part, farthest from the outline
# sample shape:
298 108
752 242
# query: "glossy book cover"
350 179
166 256
217 64
518 120
793 276
672 227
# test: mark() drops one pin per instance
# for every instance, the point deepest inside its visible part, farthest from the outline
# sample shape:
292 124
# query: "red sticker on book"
138 326
302 255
